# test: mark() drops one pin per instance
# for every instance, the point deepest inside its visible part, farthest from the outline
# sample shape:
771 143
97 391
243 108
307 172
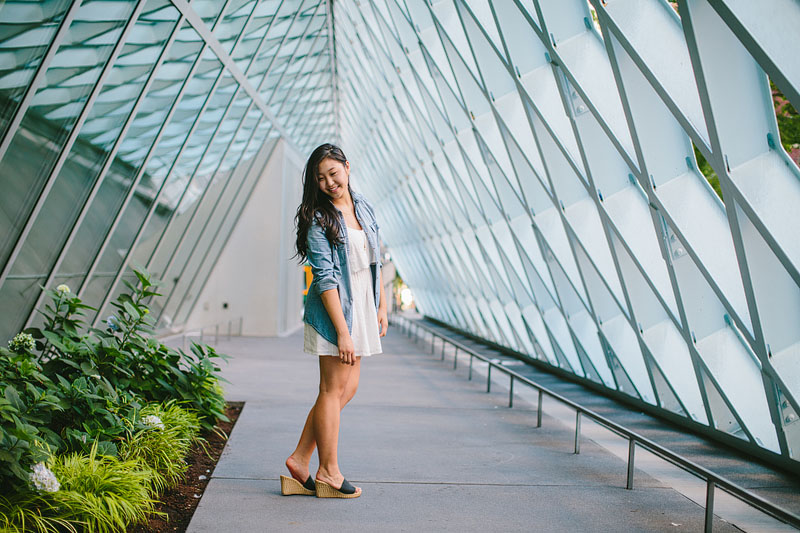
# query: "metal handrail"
202 334
712 480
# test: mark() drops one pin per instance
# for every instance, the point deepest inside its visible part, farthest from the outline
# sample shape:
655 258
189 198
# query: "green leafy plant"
63 389
105 493
163 435
150 369
93 411
29 512
27 408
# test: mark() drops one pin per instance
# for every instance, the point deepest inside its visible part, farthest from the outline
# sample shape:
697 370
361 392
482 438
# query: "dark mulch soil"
180 502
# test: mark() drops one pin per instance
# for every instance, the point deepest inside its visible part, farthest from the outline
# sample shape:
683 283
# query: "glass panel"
207 169
225 183
181 182
230 27
133 227
150 115
88 156
26 30
53 112
209 10
218 228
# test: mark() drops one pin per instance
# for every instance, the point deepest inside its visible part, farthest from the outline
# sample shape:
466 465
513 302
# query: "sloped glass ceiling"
129 131
533 165
538 167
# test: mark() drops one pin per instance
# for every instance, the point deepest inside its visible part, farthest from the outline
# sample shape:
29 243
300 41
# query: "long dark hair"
317 203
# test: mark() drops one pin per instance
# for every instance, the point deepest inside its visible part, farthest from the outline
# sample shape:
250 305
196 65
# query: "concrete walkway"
431 451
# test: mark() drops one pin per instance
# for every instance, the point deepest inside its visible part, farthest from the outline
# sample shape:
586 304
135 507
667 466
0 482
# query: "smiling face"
333 177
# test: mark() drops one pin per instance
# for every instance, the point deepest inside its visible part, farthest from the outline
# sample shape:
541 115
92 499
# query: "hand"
346 349
383 320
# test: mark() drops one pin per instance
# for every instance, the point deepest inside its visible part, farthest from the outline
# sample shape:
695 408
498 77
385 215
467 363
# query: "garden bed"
180 502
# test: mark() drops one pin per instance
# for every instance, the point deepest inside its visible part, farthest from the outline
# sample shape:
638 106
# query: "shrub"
162 438
150 369
27 408
103 492
28 512
64 390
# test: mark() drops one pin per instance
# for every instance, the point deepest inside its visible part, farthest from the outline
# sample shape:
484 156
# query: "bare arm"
322 267
330 299
383 317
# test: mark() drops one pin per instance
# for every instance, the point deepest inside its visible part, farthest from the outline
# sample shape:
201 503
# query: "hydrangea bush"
68 387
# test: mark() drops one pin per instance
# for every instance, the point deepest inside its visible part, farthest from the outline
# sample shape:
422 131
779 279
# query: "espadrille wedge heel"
290 485
328 491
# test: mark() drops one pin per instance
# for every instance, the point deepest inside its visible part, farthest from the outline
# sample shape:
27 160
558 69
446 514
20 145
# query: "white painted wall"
255 274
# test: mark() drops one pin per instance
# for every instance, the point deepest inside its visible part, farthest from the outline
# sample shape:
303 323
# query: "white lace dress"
365 334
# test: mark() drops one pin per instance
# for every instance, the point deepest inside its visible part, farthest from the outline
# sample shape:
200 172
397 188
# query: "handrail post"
709 505
241 323
229 330
201 335
216 334
539 410
631 454
738 492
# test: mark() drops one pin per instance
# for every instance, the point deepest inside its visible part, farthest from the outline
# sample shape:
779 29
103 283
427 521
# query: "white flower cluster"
22 342
152 421
63 288
44 479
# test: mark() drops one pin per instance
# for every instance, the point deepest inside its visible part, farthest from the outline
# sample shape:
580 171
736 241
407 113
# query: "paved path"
431 451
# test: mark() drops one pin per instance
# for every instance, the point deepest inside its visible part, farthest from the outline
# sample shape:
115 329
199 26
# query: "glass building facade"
533 163
535 166
128 128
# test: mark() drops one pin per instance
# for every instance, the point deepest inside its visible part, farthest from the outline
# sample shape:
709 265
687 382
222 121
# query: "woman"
345 311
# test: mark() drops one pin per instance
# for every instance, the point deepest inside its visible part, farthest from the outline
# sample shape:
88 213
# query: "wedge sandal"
290 485
329 491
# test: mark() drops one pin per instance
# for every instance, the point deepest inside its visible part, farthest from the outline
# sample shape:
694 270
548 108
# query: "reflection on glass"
53 112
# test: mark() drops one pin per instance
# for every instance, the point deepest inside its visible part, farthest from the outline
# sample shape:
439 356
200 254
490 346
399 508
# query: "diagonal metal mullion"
294 82
212 42
279 46
616 32
142 169
169 296
200 159
73 135
759 54
219 227
211 215
334 70
38 78
683 326
222 158
210 142
109 161
180 304
152 209
197 208
593 195
107 165
758 344
208 219
291 58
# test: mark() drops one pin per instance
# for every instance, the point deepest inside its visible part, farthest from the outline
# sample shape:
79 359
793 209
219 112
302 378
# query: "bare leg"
298 461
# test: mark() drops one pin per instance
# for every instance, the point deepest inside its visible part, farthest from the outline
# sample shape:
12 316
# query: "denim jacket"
330 268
